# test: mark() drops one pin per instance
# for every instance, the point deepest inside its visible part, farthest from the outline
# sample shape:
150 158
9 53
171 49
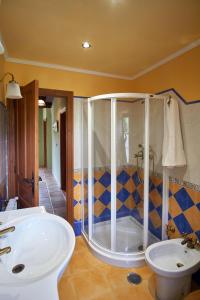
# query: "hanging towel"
173 152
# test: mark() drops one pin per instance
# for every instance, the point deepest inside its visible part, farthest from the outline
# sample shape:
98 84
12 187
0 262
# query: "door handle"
32 181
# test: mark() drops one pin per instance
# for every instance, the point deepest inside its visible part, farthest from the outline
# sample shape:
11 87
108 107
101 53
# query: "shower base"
129 242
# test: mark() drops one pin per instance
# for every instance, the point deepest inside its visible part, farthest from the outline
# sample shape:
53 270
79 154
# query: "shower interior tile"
155 198
155 218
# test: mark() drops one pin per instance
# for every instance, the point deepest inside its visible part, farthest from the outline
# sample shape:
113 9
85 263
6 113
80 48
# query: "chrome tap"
186 238
197 245
6 230
5 250
191 242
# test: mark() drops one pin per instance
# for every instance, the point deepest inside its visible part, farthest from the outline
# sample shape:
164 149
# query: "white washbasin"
43 243
173 264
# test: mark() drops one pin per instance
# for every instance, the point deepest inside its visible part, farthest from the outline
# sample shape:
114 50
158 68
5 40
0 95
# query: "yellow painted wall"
2 65
80 84
181 74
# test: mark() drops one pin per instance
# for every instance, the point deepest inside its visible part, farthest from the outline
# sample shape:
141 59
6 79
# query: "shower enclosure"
124 187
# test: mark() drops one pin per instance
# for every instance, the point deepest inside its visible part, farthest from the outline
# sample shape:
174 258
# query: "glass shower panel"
102 172
85 165
130 176
156 132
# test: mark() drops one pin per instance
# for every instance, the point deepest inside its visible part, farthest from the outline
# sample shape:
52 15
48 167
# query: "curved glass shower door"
100 172
130 176
115 179
118 211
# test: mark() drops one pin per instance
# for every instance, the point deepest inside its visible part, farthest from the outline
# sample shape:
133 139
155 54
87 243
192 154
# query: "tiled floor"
87 278
50 194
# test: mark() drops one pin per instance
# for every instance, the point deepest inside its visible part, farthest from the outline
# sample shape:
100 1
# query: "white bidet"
173 264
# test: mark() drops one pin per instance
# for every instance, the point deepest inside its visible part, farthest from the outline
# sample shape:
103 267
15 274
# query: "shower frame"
111 256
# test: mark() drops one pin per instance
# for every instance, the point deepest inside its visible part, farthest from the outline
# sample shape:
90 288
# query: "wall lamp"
13 89
41 102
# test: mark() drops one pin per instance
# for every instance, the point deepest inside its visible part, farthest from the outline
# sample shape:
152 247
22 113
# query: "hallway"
50 195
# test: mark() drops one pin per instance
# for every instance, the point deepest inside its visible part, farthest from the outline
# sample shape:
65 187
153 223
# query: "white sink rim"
57 269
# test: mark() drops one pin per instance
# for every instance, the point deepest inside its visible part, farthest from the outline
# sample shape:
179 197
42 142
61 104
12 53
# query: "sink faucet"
6 230
5 250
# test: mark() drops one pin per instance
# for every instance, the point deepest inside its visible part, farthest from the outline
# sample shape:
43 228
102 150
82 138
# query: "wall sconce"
41 102
13 89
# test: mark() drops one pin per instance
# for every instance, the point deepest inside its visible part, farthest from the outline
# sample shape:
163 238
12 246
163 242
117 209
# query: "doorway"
52 154
23 132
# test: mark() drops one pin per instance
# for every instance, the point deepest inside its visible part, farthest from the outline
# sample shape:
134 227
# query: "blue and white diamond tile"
198 205
136 179
105 179
105 198
136 197
123 195
183 199
182 224
123 177
105 215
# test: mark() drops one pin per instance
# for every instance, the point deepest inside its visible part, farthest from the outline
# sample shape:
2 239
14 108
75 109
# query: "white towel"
173 152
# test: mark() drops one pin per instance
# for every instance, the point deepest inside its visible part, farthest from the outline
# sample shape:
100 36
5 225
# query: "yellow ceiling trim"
63 68
168 58
91 72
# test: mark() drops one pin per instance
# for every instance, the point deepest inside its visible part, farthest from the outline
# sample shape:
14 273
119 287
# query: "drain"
134 278
18 268
140 248
179 265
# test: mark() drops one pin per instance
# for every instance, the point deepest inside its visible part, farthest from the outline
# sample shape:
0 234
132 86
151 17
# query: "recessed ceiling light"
86 45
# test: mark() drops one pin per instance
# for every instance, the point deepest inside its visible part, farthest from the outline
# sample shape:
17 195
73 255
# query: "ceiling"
127 36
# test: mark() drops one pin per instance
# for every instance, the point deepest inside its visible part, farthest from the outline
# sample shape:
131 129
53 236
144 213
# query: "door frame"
69 146
45 143
63 149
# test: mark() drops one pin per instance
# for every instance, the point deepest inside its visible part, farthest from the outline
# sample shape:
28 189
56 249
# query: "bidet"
173 264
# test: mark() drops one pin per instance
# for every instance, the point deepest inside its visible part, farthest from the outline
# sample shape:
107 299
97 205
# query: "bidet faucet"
186 238
191 242
6 230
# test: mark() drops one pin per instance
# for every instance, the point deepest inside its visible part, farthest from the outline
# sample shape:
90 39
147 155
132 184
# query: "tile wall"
184 202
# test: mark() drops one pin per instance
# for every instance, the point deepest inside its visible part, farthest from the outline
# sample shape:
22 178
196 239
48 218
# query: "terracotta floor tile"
88 278
66 290
89 285
50 195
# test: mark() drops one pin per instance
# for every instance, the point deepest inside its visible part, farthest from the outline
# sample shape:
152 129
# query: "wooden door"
27 145
63 150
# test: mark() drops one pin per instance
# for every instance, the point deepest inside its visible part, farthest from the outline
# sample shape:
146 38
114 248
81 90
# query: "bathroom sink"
173 264
41 246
